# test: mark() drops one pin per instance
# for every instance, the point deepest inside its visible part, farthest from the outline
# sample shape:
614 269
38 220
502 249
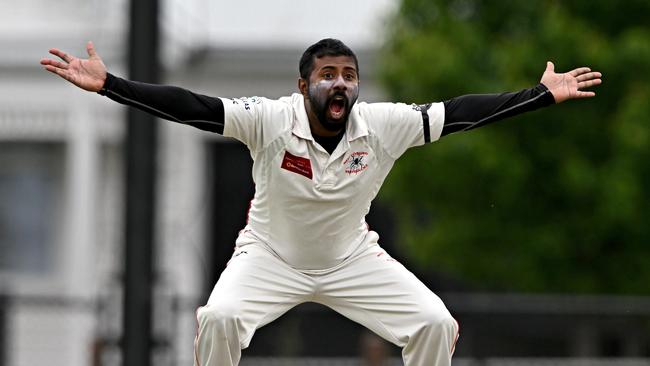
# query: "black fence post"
141 147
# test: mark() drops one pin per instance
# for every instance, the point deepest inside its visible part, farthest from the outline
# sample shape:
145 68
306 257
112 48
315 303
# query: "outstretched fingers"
589 83
58 71
584 94
572 84
62 55
54 63
587 80
88 74
579 71
61 68
90 48
588 76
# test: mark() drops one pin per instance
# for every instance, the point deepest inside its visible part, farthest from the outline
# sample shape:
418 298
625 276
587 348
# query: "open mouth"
337 107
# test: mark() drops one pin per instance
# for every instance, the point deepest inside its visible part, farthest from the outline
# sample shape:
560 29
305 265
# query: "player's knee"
213 316
441 323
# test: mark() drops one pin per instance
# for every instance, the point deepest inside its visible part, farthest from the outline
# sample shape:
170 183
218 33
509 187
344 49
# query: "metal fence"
33 328
269 361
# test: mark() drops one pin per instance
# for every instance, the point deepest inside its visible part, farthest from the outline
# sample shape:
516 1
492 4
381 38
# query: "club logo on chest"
356 162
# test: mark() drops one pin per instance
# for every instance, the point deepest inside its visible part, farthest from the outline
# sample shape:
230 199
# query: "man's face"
333 89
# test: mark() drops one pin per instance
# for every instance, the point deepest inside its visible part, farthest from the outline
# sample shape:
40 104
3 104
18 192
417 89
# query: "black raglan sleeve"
475 110
167 102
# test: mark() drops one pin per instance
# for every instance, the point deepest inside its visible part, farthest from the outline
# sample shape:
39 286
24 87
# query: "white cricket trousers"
369 288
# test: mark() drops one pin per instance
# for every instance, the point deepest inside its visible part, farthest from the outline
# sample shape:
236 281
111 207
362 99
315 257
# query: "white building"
61 168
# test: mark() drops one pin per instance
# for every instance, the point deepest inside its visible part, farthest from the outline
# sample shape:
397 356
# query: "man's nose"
339 83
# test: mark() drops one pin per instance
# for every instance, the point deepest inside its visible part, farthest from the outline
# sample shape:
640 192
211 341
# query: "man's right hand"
88 74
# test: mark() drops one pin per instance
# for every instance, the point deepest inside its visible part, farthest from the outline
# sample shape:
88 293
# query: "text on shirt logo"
247 101
296 164
356 162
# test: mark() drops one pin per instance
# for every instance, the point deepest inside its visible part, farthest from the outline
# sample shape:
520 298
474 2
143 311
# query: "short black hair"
324 47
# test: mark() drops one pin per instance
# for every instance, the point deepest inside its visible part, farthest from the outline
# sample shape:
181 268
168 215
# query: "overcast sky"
359 23
29 27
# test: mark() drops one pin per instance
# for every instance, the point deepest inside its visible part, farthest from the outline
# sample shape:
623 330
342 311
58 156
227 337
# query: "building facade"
62 178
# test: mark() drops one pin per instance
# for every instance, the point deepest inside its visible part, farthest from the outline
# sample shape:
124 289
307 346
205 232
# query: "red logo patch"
296 164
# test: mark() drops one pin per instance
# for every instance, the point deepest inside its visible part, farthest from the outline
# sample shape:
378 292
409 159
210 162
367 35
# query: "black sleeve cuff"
108 83
547 98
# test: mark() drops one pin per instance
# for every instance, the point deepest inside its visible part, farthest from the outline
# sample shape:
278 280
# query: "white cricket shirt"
309 206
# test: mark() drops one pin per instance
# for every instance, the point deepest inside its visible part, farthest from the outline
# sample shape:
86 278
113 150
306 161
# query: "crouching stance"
319 160
370 288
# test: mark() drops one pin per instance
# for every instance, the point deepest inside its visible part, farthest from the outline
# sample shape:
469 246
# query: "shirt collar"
356 127
300 120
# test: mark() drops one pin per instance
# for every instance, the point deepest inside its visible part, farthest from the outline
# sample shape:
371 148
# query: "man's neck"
329 143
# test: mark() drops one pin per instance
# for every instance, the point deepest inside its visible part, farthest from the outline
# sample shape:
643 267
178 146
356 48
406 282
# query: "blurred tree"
555 200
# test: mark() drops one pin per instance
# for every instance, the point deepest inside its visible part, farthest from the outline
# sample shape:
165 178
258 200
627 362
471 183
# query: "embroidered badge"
297 164
356 162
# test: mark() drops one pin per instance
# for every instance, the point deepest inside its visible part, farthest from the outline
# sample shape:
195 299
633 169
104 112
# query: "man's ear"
303 87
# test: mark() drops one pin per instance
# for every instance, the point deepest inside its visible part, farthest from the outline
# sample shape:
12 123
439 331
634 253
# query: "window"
31 187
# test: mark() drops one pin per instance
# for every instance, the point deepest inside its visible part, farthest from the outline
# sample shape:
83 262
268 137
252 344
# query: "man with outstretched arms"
320 158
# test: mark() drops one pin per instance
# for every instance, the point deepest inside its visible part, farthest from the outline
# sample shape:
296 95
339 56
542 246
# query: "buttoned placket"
330 170
328 174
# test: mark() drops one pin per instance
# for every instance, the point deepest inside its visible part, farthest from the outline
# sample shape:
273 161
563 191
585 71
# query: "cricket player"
320 157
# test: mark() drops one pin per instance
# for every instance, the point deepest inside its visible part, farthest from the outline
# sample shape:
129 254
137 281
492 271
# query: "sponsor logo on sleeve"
247 101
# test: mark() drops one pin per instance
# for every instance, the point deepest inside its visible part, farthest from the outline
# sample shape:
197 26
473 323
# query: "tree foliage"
555 200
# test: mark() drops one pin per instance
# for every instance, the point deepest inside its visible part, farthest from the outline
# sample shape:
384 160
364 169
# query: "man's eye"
328 75
350 77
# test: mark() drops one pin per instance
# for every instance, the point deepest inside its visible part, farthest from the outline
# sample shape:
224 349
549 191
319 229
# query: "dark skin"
330 92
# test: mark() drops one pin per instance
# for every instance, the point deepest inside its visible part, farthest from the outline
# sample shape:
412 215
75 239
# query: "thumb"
90 48
550 67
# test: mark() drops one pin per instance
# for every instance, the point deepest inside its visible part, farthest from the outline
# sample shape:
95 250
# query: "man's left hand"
570 85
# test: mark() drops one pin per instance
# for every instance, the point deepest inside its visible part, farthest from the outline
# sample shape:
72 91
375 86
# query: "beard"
325 105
